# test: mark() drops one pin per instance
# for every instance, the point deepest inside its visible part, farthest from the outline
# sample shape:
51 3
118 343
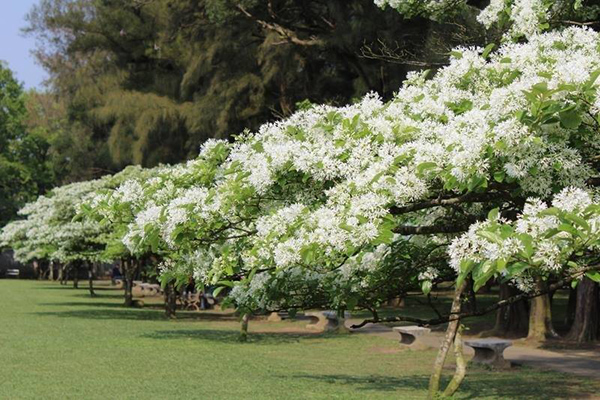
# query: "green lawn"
58 343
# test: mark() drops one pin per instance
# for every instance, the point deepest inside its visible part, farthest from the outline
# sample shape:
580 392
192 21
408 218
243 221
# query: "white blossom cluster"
542 238
527 17
309 198
308 189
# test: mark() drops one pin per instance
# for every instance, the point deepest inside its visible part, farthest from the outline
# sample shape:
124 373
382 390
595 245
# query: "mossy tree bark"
244 327
540 316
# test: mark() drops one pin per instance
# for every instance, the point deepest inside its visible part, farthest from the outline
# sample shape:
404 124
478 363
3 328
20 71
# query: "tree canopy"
486 168
24 168
147 82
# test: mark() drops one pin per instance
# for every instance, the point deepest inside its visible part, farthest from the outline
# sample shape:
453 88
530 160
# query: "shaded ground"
57 343
580 362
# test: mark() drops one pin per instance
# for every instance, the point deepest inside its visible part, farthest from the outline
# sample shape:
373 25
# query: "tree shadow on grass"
119 312
371 382
495 384
232 336
83 304
81 287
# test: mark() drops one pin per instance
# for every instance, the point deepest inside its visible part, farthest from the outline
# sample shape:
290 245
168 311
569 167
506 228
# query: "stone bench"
12 272
411 336
490 351
326 321
150 289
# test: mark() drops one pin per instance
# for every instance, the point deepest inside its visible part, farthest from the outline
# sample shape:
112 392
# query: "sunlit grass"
58 343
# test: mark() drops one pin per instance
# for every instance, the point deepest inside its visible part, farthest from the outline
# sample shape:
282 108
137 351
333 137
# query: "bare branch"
286 33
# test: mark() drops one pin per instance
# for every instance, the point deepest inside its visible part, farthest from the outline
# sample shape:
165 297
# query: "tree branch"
449 201
503 303
288 34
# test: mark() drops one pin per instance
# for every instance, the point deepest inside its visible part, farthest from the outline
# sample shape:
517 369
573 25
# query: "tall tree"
148 81
24 169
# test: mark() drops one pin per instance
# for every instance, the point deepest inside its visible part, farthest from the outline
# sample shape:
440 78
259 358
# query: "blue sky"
14 48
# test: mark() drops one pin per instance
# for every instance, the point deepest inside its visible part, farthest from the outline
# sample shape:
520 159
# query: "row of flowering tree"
486 169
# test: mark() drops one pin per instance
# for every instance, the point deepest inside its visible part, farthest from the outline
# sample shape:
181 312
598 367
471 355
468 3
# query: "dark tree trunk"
471 299
91 278
129 271
585 326
571 307
61 274
75 270
540 316
170 300
512 320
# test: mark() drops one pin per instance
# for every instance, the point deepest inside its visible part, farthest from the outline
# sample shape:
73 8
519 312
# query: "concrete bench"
150 289
326 321
12 272
490 351
411 336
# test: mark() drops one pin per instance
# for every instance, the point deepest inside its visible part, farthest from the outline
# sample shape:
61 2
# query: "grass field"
58 343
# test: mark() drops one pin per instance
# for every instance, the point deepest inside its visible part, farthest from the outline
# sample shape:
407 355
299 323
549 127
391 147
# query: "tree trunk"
585 327
244 328
436 375
36 269
51 271
170 300
512 320
471 303
461 365
571 307
61 274
130 268
91 278
540 316
75 270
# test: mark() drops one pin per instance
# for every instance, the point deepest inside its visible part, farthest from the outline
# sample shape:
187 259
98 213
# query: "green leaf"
426 287
425 166
593 76
499 176
570 119
218 290
593 275
386 236
574 283
577 220
488 49
493 214
491 236
527 241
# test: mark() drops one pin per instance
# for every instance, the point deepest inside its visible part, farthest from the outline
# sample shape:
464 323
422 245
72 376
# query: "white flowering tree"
450 177
49 231
327 186
113 207
543 242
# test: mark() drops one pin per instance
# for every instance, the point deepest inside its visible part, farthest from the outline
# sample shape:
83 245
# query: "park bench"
412 336
490 351
150 289
326 321
278 316
12 273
